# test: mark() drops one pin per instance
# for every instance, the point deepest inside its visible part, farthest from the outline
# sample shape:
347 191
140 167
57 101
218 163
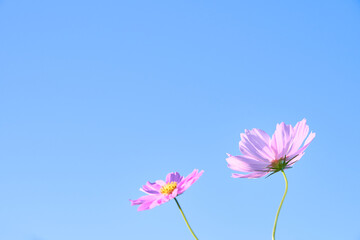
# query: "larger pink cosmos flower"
263 155
163 191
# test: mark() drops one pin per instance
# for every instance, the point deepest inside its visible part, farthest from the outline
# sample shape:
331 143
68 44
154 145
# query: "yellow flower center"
168 188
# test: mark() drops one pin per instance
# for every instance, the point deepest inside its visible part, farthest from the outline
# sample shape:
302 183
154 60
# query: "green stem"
185 219
282 200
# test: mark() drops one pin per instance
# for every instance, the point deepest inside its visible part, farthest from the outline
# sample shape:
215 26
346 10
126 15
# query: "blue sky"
98 97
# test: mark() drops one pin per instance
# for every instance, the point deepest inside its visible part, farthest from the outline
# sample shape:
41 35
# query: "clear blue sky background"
98 97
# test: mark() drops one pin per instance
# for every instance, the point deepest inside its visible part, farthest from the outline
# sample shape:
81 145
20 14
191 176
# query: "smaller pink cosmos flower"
162 191
263 155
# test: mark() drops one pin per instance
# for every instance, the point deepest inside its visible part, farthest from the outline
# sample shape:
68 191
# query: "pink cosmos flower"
162 191
263 155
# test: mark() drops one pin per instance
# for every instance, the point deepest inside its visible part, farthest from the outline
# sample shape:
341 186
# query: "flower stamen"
168 188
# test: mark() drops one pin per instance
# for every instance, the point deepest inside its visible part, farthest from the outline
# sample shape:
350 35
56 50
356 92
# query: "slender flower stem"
185 219
281 203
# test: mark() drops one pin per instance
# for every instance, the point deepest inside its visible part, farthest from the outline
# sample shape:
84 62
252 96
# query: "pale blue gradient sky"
98 97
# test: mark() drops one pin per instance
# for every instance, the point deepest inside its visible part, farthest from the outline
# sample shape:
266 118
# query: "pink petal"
147 205
282 140
143 199
189 180
250 175
158 202
245 164
301 130
160 182
174 193
151 188
149 201
307 142
256 143
173 177
309 139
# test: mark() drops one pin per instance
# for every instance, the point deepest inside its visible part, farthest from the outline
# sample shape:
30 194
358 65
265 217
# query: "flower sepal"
279 165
